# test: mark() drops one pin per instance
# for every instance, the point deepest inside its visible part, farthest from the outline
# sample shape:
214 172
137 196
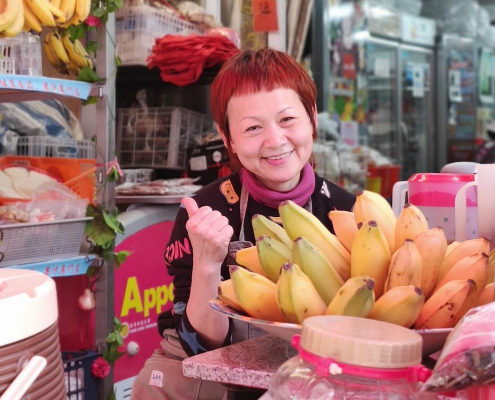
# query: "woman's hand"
209 232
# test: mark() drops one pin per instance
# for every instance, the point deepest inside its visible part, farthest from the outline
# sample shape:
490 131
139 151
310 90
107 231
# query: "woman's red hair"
254 71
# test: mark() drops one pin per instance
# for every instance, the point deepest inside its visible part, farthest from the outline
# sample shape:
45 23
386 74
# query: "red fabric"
181 59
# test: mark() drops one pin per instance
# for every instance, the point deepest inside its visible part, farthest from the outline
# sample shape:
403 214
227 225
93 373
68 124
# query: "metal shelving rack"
15 88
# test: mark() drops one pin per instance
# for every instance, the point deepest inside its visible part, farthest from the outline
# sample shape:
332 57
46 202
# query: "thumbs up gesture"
209 232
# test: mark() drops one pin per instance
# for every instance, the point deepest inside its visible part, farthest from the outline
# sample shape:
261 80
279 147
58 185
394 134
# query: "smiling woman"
264 104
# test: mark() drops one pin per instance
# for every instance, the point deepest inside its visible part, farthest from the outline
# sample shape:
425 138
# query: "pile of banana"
376 266
65 55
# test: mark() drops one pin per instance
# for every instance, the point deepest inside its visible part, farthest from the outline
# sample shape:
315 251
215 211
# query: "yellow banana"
83 7
354 299
56 3
76 56
401 305
447 305
345 226
262 226
18 24
471 267
451 247
248 258
463 249
227 294
256 294
31 19
316 266
82 50
58 47
491 266
371 206
410 223
432 246
56 12
299 222
297 296
40 9
10 10
370 255
68 8
486 296
405 267
273 254
51 56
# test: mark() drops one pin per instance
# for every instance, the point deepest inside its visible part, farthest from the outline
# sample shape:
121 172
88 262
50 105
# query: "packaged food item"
468 357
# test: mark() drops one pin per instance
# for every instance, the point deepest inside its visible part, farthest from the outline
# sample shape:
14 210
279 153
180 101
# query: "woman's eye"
287 119
252 128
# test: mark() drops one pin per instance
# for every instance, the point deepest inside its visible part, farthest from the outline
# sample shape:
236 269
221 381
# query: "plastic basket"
382 179
20 55
78 172
79 381
43 241
136 29
158 137
46 146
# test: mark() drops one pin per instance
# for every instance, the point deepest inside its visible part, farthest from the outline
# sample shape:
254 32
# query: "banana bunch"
11 18
52 13
65 55
375 266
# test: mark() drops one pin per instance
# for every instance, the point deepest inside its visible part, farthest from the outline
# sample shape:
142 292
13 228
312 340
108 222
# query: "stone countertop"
250 363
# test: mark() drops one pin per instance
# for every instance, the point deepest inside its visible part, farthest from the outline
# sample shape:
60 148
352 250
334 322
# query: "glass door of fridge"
416 111
382 118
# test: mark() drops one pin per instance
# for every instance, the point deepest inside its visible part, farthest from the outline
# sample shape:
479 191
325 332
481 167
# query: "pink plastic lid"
443 178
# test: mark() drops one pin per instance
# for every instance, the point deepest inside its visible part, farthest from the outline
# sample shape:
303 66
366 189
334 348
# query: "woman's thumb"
190 205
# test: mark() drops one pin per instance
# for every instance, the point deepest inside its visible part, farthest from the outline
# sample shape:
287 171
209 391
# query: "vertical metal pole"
320 63
105 135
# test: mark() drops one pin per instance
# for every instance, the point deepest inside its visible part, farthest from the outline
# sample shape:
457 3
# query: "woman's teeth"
285 155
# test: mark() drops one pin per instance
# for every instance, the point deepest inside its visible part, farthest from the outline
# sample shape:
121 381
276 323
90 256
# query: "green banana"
354 299
262 226
316 266
272 254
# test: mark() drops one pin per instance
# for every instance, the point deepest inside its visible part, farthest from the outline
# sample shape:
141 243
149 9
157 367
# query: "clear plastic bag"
468 357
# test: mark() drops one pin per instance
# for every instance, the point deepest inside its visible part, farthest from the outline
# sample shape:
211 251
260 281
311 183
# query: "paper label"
382 67
265 15
156 378
349 133
198 163
418 73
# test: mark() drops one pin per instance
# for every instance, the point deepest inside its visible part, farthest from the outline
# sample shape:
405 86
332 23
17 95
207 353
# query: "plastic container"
136 29
382 179
21 55
351 358
140 175
79 381
46 146
29 345
77 174
158 137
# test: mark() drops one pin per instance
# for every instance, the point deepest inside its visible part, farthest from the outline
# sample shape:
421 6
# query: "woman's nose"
274 137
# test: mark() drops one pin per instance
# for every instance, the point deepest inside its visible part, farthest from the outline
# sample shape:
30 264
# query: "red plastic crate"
382 179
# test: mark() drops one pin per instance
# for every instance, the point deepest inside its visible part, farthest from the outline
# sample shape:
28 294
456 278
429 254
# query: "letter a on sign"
265 15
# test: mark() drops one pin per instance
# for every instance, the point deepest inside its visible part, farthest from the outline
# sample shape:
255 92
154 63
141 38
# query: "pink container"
435 195
481 392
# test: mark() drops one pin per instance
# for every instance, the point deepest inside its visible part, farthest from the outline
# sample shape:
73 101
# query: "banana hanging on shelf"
42 12
30 18
52 57
77 53
9 13
68 8
83 7
56 3
18 24
58 47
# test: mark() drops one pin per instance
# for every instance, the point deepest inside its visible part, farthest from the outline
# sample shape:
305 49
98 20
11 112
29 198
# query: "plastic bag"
468 357
458 17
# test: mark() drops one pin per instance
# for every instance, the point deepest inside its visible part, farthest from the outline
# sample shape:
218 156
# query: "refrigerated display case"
379 76
457 100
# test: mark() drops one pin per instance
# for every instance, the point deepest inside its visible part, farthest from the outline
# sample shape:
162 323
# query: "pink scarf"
299 195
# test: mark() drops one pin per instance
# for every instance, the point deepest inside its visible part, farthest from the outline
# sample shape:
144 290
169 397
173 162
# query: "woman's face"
272 135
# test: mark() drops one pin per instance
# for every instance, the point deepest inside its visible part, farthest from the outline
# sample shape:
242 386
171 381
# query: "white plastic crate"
43 241
136 29
21 55
46 146
158 137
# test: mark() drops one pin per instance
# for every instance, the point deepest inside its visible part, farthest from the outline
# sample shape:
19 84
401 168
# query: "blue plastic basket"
79 381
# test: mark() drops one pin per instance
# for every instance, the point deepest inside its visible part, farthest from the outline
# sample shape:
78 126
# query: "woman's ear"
228 143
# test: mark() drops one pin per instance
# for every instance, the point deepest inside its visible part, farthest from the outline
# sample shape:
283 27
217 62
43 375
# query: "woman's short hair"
253 71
